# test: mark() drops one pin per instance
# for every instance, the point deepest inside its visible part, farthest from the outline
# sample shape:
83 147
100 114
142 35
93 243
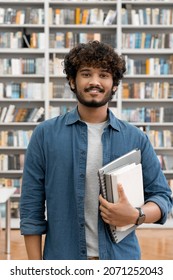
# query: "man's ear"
114 88
72 84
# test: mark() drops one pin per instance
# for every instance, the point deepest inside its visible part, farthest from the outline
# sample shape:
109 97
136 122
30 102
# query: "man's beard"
93 103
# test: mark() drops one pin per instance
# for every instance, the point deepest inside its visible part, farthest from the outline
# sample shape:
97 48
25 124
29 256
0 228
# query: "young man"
62 161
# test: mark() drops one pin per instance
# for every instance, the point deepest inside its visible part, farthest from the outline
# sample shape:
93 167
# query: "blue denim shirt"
55 170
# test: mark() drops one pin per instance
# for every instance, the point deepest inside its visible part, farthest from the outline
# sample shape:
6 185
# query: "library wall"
35 36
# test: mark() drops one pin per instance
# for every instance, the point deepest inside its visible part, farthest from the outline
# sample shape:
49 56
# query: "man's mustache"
92 87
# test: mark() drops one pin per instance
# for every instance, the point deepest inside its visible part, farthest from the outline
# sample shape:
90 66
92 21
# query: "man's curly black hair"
94 54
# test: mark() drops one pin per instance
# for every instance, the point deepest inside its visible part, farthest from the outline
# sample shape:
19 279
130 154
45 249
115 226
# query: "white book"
1 90
110 17
130 176
9 113
3 114
2 13
38 114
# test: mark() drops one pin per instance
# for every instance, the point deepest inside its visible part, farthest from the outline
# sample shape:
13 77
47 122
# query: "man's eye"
104 75
85 74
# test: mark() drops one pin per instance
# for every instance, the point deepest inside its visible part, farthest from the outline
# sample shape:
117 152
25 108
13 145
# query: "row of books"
60 90
56 66
20 138
19 66
70 39
11 162
160 138
11 39
143 114
15 138
16 114
138 90
135 40
143 40
22 90
146 90
149 66
55 111
146 15
130 15
28 15
11 183
166 161
93 16
16 40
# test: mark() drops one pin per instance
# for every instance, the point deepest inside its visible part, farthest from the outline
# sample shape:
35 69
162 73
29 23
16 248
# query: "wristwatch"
141 218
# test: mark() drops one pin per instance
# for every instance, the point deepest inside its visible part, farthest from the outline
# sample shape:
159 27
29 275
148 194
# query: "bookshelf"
147 95
81 30
22 84
35 36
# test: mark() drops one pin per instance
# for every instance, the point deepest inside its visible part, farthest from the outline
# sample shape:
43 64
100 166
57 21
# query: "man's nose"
94 80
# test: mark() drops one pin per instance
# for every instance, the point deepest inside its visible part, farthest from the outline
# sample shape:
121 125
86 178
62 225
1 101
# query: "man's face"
93 86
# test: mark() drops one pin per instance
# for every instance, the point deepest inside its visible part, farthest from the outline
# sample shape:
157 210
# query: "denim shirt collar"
74 117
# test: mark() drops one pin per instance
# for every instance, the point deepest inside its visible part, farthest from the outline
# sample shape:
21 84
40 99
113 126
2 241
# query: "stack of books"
126 170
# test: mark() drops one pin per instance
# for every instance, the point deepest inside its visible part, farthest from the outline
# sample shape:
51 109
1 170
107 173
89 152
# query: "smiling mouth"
94 90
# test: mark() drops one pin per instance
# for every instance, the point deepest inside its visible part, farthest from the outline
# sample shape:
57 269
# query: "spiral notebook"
133 157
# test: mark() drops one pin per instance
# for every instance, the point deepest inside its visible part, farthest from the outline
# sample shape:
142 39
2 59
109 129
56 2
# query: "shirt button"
82 175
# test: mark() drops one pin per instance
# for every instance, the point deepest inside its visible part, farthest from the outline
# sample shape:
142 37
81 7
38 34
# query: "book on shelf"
166 162
146 16
77 15
57 16
145 90
11 183
160 138
96 16
3 113
17 114
11 162
110 17
144 114
26 40
85 16
1 90
149 66
38 115
9 114
130 163
15 138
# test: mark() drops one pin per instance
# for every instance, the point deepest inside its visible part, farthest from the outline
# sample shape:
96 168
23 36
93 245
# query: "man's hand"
118 214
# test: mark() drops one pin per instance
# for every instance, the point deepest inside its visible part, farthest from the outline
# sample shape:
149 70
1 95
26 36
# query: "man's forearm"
33 244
